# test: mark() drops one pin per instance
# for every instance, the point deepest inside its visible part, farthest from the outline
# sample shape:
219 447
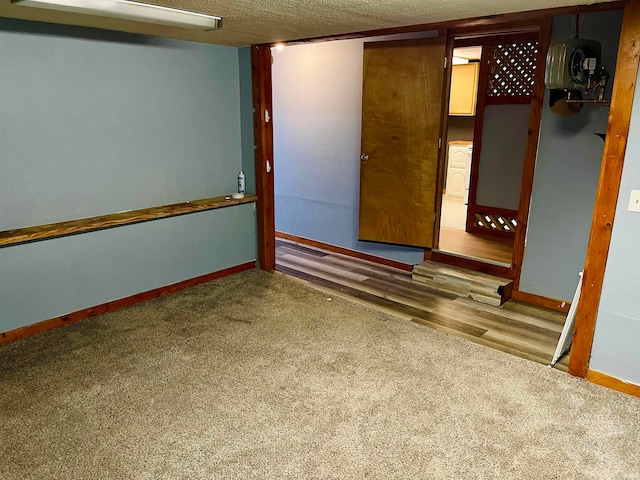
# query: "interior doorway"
463 95
492 82
333 222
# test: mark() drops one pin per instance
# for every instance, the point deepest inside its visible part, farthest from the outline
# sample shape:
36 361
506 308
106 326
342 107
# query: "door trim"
531 153
444 127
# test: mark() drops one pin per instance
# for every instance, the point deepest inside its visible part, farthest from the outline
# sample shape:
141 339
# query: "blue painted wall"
96 122
615 346
566 176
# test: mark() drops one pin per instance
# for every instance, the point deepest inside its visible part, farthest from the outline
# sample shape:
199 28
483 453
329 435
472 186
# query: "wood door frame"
531 153
518 32
537 33
442 154
610 175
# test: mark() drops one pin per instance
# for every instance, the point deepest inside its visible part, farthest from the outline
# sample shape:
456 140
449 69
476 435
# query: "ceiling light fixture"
128 10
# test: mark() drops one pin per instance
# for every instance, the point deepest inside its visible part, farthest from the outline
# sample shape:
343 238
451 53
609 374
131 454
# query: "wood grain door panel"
401 117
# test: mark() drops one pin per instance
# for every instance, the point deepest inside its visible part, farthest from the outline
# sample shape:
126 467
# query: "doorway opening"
453 237
492 85
334 223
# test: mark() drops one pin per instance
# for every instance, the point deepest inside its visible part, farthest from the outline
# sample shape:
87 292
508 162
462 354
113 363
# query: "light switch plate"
634 201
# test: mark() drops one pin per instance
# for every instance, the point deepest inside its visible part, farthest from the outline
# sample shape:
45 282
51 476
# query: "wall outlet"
634 201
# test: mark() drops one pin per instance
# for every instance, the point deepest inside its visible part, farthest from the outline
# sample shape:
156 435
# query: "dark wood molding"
345 251
263 134
468 263
624 87
612 382
92 224
507 293
499 23
45 325
540 301
531 152
442 154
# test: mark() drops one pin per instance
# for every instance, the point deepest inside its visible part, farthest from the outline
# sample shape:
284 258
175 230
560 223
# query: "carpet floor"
258 376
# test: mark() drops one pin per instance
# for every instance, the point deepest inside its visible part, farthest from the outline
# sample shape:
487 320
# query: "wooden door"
401 116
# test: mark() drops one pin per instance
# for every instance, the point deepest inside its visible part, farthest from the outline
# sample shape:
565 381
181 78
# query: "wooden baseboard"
45 325
613 383
540 301
345 251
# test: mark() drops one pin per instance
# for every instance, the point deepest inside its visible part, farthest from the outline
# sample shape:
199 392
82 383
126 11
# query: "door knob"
364 156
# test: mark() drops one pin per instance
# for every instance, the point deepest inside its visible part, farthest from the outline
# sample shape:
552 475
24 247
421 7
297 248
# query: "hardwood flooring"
459 242
522 330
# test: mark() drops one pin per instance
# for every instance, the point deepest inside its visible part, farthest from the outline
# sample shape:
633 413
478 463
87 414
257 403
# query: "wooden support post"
263 133
624 87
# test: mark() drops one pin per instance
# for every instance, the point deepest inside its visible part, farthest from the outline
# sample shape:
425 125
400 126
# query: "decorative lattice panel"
500 223
512 68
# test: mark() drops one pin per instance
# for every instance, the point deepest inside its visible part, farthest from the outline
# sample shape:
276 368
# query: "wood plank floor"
459 242
523 330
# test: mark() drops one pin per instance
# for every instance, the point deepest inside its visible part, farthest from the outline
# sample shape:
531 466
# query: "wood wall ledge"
91 224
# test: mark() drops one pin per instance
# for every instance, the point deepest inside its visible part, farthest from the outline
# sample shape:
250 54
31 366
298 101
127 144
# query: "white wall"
616 345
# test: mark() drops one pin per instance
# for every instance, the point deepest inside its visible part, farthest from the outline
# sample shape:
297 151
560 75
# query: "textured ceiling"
247 22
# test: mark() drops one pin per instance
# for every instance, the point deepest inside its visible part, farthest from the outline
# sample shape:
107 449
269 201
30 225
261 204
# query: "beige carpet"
258 376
